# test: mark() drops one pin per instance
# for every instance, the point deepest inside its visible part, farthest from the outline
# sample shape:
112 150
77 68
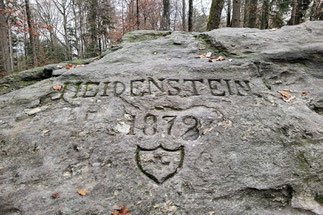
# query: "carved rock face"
154 128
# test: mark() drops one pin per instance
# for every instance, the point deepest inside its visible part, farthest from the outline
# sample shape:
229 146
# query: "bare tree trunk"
265 15
292 20
32 47
138 21
184 14
246 12
236 13
190 15
4 40
93 28
320 11
252 14
215 14
166 15
229 14
10 45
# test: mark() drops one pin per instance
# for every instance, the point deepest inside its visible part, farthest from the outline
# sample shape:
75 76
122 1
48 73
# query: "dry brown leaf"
59 66
121 211
58 87
69 66
201 56
55 196
81 192
220 58
284 94
304 93
212 60
46 131
202 47
208 55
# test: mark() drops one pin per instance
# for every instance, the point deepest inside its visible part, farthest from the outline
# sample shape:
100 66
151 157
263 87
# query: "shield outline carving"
170 175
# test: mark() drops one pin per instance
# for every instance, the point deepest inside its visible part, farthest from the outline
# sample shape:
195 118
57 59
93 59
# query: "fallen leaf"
58 87
59 66
81 65
284 94
201 56
121 211
212 60
220 58
46 131
202 47
81 192
230 60
69 66
55 196
304 93
209 54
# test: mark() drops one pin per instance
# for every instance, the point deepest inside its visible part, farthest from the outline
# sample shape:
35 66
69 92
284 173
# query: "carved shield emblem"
160 164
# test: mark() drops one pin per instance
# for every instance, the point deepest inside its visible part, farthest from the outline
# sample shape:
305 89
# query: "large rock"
155 129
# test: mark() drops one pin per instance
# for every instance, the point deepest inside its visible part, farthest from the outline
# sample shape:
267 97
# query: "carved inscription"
160 163
159 87
186 127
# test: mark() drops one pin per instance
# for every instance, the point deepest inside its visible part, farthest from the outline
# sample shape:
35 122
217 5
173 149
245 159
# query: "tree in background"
166 15
215 14
236 13
38 32
4 39
190 15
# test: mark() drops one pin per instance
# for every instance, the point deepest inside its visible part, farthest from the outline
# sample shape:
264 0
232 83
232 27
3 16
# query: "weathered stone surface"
154 128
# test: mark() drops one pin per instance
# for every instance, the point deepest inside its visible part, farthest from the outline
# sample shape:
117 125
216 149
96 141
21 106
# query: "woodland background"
39 32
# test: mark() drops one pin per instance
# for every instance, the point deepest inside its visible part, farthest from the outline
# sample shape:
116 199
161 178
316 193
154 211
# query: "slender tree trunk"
229 14
184 14
252 14
138 21
265 15
93 28
10 45
67 42
215 14
166 15
190 15
32 47
4 39
236 13
320 11
292 20
246 12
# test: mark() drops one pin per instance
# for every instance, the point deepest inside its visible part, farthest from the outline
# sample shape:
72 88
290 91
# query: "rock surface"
155 129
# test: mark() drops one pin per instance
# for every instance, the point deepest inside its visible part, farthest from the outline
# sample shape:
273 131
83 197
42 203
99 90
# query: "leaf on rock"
55 196
208 55
58 87
69 66
202 47
59 66
81 192
220 58
304 93
121 211
284 94
46 131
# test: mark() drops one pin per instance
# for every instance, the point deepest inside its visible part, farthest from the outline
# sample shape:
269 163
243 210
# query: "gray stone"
152 127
